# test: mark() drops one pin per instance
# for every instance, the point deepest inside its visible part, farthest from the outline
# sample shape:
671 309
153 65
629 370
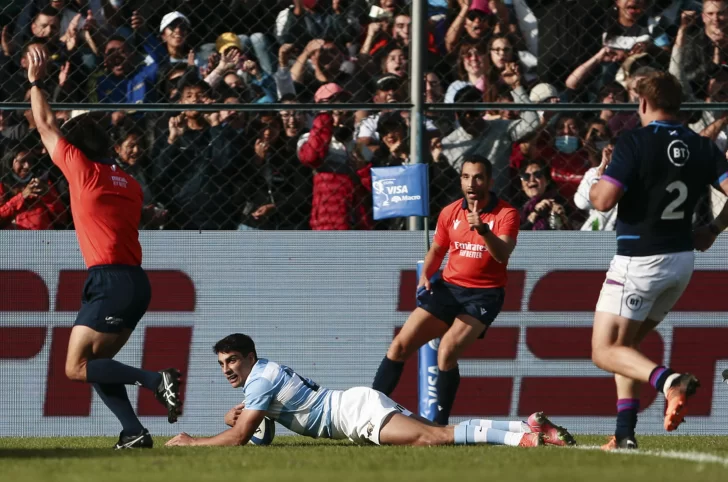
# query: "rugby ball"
265 433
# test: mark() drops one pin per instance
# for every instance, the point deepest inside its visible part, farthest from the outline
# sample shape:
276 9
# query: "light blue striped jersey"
295 402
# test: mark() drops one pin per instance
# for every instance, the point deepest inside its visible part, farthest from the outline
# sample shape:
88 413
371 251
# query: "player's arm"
240 434
433 261
43 116
615 173
500 246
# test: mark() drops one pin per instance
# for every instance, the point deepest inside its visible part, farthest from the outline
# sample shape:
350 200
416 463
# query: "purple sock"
655 375
659 376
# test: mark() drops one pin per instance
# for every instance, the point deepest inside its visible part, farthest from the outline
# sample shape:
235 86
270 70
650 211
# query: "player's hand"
232 416
474 219
703 239
37 62
180 440
423 284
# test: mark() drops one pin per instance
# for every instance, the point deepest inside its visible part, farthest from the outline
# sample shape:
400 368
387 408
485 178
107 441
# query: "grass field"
299 459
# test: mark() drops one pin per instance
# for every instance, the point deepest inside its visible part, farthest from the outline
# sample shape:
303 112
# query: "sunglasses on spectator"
527 176
475 14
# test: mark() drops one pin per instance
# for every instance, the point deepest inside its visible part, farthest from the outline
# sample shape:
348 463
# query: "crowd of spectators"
296 170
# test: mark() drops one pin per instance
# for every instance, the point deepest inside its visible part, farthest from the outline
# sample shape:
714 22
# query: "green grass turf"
86 459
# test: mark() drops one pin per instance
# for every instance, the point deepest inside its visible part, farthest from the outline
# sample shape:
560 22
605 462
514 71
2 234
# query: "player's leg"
653 286
628 399
400 429
114 301
537 422
420 328
463 332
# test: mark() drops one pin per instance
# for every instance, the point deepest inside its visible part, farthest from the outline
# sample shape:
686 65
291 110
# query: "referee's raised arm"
43 116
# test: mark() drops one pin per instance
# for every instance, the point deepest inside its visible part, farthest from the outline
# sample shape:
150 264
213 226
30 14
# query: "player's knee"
76 370
446 357
398 351
598 355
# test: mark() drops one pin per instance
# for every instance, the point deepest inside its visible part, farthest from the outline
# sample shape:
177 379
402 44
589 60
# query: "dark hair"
86 132
614 88
391 122
48 11
125 129
288 97
190 82
662 90
468 94
33 41
114 38
540 163
238 342
478 159
26 144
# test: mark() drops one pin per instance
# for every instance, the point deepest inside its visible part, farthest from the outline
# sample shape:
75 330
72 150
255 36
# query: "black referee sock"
116 399
106 370
388 375
447 388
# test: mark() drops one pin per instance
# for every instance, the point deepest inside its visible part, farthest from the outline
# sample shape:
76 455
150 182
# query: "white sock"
512 426
513 439
668 382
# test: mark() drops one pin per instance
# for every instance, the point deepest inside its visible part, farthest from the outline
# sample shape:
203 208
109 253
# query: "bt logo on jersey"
678 153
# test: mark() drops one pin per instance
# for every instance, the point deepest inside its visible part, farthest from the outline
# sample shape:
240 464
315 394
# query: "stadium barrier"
330 313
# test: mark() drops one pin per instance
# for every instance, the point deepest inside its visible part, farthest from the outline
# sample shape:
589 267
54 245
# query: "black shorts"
114 297
446 301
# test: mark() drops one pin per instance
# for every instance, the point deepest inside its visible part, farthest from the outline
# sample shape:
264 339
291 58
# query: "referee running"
106 205
479 232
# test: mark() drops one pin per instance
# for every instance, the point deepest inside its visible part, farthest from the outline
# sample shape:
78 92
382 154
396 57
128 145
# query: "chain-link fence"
266 167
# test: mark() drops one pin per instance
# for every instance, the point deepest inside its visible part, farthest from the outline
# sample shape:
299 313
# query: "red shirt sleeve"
313 152
10 209
72 162
442 238
509 224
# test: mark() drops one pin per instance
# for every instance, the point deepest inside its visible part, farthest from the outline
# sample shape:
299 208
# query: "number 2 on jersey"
671 212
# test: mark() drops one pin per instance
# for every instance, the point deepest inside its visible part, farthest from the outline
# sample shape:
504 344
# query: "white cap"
542 92
171 17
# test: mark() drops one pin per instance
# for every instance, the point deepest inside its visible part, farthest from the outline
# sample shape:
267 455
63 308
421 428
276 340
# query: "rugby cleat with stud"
139 441
168 393
682 388
627 443
531 440
553 434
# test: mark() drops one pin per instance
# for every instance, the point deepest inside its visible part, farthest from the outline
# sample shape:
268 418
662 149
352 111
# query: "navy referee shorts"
446 301
115 297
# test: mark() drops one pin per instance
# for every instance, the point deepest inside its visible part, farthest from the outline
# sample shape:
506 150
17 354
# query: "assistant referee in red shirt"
106 206
479 232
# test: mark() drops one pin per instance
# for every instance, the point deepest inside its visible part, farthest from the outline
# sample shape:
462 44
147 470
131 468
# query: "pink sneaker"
553 434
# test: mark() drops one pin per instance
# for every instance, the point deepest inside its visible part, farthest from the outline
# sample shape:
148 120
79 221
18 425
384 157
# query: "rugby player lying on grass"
360 414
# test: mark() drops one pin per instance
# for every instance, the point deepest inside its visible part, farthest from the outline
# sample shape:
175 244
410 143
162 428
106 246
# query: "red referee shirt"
470 265
106 205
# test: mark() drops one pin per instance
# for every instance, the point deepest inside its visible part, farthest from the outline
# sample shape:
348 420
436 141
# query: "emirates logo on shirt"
470 250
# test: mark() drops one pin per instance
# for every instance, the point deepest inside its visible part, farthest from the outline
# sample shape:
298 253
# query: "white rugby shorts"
644 287
360 413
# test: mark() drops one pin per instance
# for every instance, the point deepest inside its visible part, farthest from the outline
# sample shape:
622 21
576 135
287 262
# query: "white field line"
698 457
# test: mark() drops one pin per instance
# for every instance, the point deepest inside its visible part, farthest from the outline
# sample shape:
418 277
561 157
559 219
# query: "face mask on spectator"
567 144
